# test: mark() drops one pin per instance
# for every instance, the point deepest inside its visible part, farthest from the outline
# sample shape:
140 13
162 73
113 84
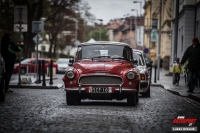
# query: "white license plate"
100 90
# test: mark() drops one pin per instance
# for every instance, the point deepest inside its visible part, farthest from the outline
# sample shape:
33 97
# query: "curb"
193 97
34 86
197 99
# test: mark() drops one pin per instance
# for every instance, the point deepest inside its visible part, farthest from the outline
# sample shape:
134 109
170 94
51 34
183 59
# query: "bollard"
155 74
39 71
50 72
150 72
43 73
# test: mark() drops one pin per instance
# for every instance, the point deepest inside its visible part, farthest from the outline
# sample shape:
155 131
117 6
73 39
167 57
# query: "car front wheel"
132 99
2 89
147 93
70 99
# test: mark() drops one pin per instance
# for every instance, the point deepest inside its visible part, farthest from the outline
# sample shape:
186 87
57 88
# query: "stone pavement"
165 81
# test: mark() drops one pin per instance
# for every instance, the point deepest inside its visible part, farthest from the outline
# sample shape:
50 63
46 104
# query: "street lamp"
135 26
100 29
140 5
135 10
42 19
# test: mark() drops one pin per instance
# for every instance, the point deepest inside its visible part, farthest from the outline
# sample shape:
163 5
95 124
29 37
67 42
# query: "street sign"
68 48
39 38
23 27
146 50
20 10
37 26
154 35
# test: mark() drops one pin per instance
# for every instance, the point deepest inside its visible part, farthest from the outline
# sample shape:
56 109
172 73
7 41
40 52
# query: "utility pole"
159 43
176 29
149 25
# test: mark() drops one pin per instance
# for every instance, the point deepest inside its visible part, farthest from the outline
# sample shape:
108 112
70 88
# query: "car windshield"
104 51
25 61
139 58
63 61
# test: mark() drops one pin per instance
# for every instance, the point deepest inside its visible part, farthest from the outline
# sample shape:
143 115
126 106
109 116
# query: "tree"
95 33
54 11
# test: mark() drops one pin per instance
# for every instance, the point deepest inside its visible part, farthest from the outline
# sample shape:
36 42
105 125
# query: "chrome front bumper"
117 90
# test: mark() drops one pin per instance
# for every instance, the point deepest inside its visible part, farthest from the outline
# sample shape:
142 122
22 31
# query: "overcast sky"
112 9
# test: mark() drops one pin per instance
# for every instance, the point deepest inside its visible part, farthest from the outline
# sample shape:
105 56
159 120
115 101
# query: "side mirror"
149 64
135 61
71 60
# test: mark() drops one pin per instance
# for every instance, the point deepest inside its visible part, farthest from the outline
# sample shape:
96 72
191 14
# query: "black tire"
137 94
23 71
132 99
2 89
70 99
147 93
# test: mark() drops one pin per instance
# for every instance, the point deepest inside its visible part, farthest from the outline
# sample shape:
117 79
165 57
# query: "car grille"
100 80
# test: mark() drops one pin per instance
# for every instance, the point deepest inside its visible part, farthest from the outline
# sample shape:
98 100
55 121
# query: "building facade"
188 26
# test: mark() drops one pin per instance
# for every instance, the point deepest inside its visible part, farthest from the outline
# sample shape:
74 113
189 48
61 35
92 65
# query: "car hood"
113 67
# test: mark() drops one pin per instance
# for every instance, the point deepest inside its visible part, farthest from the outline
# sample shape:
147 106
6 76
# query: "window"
198 30
179 37
182 38
182 43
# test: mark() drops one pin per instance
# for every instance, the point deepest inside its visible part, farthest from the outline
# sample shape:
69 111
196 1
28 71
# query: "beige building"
152 11
130 31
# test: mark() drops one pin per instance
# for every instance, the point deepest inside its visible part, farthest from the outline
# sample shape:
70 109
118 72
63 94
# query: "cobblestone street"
46 111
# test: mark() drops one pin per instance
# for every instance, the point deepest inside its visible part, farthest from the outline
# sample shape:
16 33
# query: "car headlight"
130 75
70 74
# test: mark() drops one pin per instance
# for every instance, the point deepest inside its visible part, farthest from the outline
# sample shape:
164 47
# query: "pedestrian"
192 54
161 64
177 70
185 71
8 49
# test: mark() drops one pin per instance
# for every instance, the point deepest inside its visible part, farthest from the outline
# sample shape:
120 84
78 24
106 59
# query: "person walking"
8 49
192 54
185 71
177 70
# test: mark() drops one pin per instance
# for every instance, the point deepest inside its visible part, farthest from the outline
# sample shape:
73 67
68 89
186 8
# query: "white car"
144 68
63 64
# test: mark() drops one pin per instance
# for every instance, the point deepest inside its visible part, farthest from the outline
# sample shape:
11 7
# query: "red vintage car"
29 65
102 71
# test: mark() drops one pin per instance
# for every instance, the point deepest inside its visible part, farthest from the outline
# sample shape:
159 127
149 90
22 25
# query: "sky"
112 9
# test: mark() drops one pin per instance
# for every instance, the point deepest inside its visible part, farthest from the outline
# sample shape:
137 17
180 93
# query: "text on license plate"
100 90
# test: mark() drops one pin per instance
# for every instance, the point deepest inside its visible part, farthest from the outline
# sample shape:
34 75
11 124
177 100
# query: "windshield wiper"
100 57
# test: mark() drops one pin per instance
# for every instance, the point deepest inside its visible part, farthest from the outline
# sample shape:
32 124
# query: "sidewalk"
57 82
165 81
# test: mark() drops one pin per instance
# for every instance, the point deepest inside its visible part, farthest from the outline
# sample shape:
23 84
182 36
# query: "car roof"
135 50
105 42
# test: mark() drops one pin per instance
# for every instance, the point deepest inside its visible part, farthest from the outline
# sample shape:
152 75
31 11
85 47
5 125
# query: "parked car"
2 80
29 65
144 68
102 71
63 64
